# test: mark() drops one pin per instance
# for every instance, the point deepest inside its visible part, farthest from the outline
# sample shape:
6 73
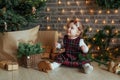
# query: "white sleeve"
58 45
82 43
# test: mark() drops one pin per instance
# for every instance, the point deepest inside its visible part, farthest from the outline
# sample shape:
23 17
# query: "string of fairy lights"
82 12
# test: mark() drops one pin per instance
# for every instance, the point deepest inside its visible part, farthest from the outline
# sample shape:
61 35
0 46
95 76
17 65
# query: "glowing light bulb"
91 11
90 29
48 18
108 12
98 30
89 46
87 2
98 48
59 19
100 11
81 11
73 12
116 11
64 27
78 3
113 40
48 9
104 22
116 49
96 20
59 2
94 38
112 21
116 31
48 27
68 19
63 11
107 31
107 49
86 20
103 40
68 3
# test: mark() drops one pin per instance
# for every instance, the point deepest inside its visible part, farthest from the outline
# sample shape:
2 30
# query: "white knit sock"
55 65
88 68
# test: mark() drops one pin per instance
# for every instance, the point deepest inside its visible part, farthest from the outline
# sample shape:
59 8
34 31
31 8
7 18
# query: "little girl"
74 45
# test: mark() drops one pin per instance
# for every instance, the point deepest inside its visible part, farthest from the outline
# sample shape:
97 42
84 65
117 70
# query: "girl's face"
72 30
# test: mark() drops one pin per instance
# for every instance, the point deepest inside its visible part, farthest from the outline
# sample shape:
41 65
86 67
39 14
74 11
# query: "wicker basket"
30 61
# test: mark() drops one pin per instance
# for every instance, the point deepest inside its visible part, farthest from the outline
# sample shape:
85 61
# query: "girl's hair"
80 27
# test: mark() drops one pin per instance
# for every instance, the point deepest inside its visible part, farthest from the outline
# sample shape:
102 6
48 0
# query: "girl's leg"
87 68
55 65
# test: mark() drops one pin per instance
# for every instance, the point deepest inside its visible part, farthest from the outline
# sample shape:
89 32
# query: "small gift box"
11 66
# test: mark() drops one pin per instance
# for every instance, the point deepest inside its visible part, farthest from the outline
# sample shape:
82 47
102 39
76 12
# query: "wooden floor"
61 73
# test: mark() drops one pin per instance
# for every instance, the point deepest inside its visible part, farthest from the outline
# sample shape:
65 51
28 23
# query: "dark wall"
57 14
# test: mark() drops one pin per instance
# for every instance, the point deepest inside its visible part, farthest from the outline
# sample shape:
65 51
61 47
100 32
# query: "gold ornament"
33 10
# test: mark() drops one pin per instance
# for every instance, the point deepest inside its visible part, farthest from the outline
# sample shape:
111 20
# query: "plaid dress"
72 51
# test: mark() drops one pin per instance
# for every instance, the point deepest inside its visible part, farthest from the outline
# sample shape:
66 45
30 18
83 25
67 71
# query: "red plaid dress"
72 50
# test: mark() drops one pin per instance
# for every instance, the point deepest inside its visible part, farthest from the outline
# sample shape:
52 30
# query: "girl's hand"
82 47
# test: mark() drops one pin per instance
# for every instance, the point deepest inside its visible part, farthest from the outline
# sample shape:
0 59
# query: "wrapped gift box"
48 40
3 63
8 65
11 66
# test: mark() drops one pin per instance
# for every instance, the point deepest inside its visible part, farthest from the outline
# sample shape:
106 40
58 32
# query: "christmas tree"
101 49
15 14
